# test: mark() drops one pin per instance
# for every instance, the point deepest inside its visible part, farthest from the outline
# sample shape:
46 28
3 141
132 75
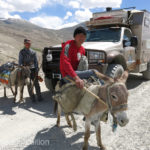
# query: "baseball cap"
79 30
27 41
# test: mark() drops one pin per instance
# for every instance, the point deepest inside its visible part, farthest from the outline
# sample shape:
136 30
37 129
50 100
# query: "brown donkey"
114 95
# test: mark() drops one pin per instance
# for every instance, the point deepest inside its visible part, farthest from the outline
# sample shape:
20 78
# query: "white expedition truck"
116 40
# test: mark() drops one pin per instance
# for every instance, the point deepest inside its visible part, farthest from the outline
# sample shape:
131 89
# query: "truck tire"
49 85
114 70
146 74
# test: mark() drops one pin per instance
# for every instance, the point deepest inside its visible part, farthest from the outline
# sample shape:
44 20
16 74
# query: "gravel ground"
30 126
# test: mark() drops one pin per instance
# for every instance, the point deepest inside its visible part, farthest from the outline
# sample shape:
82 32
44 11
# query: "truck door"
128 50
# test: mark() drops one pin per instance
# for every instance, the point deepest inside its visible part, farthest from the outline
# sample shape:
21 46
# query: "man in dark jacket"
27 57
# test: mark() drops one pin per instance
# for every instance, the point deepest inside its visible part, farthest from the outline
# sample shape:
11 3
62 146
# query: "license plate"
56 76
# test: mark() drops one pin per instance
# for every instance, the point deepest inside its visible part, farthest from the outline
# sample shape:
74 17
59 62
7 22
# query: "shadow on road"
55 139
134 80
44 108
6 106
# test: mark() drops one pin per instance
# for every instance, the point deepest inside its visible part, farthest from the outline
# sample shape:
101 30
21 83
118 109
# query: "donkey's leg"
58 115
16 88
68 120
98 134
86 134
12 91
74 122
4 91
21 93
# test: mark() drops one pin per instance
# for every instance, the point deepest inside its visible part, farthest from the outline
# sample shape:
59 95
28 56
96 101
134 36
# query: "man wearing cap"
27 57
70 57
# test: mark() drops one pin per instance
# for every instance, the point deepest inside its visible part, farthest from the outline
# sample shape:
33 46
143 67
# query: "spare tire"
114 70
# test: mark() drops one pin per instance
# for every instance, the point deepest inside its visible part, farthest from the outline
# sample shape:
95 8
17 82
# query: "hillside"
14 31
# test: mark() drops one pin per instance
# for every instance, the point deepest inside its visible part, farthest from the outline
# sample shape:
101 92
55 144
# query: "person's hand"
79 82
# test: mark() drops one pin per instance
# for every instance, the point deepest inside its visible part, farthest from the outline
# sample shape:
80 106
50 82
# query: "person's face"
80 38
27 45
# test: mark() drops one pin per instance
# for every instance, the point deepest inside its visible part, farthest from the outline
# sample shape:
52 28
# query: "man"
70 57
27 57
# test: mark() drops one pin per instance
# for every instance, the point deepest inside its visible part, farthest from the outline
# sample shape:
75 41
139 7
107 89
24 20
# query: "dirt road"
31 126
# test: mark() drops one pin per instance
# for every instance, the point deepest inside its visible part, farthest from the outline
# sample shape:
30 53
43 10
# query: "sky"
57 14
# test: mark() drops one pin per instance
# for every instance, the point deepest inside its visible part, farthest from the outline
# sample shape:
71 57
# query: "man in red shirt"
70 56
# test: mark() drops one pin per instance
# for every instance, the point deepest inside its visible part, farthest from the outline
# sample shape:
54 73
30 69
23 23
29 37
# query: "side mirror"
126 43
134 41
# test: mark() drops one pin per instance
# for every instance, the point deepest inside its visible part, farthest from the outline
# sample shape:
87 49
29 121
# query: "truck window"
104 35
127 37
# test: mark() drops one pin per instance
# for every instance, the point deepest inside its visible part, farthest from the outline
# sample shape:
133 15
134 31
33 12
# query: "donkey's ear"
124 76
104 77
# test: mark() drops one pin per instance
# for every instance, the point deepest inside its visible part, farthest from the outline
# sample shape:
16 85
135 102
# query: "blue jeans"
83 75
86 74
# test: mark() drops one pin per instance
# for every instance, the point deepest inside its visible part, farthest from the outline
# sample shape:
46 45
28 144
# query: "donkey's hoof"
21 101
85 148
70 125
57 125
74 129
102 147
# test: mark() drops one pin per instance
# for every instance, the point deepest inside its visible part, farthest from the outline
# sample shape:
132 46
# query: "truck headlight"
95 57
49 56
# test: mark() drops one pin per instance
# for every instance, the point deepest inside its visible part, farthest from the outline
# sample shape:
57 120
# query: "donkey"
19 77
114 95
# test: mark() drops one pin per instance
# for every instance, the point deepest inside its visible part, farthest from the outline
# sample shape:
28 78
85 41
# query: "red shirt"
70 57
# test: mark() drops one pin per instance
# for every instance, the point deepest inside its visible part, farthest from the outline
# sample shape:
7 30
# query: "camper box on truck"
141 28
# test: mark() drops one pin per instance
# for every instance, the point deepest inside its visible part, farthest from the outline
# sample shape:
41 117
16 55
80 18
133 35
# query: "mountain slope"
14 31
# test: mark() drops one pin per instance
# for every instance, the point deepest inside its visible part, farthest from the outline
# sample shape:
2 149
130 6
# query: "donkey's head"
24 74
116 95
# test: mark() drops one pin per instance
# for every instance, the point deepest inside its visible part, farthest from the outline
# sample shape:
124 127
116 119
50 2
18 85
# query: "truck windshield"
104 35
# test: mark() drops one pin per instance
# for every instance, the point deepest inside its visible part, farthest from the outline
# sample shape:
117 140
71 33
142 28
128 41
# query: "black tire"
50 84
146 74
114 70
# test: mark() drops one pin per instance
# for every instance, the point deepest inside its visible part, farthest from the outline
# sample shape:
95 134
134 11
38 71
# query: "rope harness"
115 108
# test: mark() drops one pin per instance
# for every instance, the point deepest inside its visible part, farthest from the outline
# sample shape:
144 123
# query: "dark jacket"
28 58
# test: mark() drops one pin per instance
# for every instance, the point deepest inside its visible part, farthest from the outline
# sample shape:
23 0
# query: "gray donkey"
114 98
19 77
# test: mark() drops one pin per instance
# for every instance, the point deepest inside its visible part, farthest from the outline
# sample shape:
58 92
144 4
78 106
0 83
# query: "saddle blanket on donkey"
5 71
76 98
